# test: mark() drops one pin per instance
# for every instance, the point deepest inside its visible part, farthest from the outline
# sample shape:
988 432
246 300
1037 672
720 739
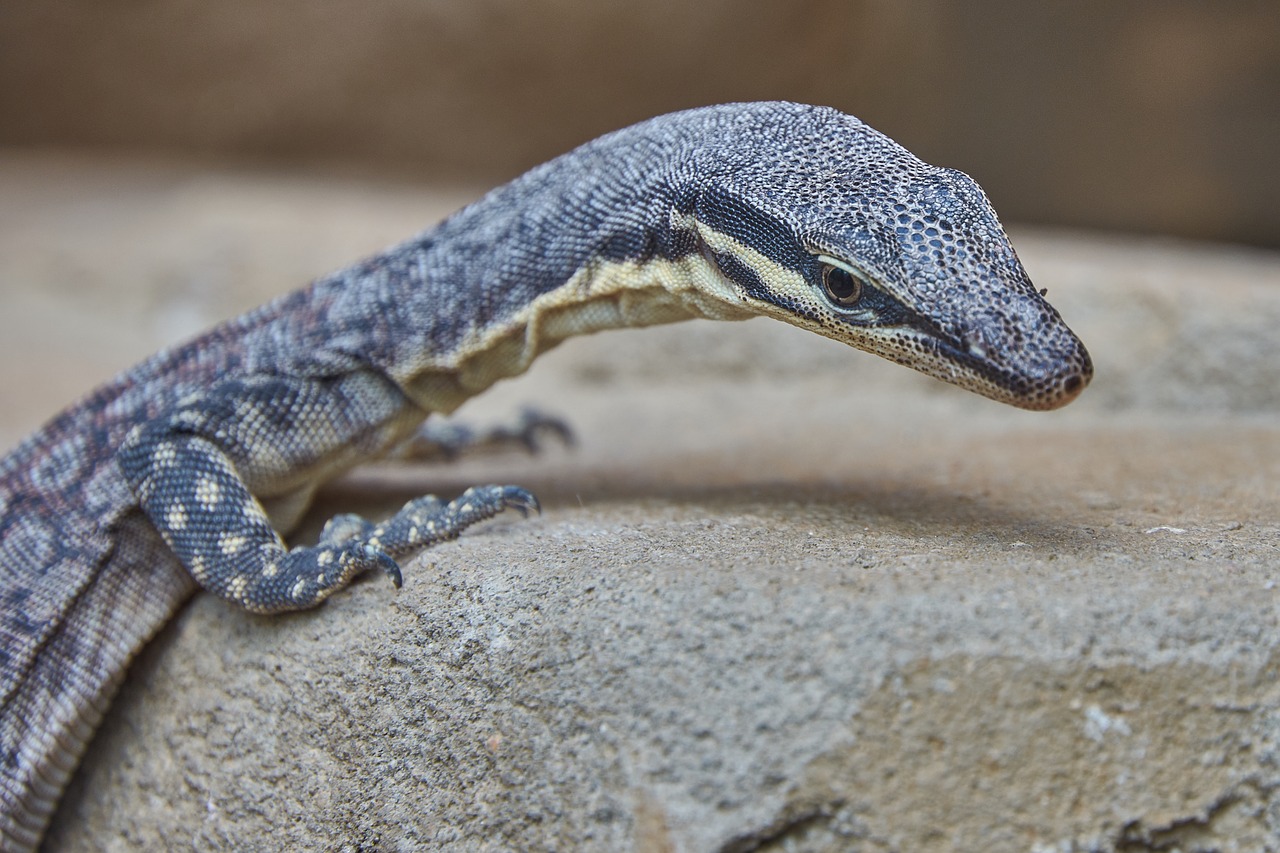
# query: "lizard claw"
380 558
522 500
533 422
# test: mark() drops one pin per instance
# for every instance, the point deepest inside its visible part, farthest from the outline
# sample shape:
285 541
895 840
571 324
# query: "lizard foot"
427 520
421 523
447 441
350 546
340 528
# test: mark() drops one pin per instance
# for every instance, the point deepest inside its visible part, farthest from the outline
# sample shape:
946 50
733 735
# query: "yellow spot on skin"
176 517
190 418
237 586
325 558
208 492
413 534
296 592
165 455
231 543
197 567
270 570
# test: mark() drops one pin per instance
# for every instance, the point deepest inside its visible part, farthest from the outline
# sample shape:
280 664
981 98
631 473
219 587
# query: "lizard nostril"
1072 385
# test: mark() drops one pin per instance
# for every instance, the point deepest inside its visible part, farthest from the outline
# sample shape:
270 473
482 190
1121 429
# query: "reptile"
183 472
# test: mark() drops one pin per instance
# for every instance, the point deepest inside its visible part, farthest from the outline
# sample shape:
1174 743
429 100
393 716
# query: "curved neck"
576 246
602 294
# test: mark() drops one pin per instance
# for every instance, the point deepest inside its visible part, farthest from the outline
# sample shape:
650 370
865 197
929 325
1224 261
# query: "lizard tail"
68 687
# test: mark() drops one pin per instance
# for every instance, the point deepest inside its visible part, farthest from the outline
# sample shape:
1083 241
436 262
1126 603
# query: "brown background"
1148 116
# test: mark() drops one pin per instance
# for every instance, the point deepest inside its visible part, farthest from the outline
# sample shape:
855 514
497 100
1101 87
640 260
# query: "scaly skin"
182 472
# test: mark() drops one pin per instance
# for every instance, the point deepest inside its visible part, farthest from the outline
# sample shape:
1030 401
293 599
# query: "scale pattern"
184 471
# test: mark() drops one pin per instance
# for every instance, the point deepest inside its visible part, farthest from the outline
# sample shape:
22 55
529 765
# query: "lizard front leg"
447 441
195 472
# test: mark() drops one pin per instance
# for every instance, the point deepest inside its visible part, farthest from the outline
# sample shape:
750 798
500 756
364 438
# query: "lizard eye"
841 287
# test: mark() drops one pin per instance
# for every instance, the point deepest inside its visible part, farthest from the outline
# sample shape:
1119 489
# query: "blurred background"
1148 117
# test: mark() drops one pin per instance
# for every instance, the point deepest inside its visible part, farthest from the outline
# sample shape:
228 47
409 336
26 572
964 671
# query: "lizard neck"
603 294
573 247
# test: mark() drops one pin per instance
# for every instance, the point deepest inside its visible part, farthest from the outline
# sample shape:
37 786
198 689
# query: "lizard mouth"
1045 370
1038 378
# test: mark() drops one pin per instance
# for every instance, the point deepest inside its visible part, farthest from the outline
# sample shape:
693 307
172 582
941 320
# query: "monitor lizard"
183 472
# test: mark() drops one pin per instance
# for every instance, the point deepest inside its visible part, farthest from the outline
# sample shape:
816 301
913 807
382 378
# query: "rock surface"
783 596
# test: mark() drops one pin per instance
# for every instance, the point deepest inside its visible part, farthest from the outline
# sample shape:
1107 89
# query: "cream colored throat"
602 295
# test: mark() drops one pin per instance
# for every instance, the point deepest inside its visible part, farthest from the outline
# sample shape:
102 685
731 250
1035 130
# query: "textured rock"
783 596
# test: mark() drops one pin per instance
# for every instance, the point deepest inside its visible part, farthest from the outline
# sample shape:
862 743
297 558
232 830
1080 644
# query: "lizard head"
849 235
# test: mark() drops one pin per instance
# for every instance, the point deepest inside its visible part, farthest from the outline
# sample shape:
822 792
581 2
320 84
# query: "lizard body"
178 474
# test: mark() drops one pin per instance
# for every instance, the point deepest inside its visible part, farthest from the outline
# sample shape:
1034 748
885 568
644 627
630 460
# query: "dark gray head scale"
831 225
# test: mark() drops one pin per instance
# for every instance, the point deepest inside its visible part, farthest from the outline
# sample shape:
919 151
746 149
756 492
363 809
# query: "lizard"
184 472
